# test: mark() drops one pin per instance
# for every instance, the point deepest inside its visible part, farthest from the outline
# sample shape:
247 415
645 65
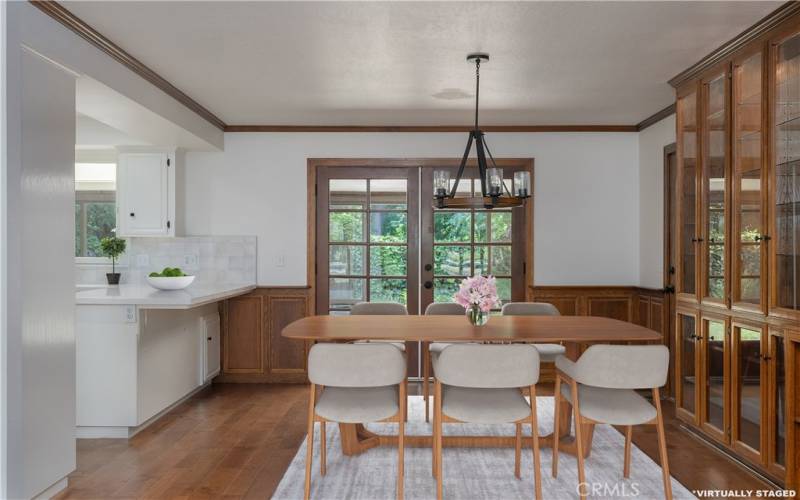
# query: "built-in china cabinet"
738 246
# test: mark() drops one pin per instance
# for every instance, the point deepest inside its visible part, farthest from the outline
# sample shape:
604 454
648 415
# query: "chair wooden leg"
426 374
626 469
401 441
437 404
434 456
576 410
323 445
556 424
310 439
517 449
537 469
662 446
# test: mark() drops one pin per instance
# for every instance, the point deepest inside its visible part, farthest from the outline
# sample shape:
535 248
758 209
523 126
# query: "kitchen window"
95 208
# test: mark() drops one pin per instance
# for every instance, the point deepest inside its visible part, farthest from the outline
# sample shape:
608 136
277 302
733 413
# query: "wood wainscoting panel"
615 307
286 355
252 348
242 346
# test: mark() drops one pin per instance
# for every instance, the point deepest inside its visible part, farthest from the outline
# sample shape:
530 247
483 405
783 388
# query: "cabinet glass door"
715 376
777 403
749 378
787 175
686 367
715 132
749 258
687 194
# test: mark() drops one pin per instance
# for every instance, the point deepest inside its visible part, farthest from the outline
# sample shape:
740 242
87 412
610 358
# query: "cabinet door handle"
765 358
133 214
209 339
428 285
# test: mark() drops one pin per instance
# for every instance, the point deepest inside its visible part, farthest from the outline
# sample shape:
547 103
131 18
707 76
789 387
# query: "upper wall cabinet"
785 297
713 241
749 288
146 192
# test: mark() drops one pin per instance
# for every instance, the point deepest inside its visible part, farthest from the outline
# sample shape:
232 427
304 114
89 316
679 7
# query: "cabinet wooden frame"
722 435
775 337
689 416
736 192
721 72
793 409
681 237
752 454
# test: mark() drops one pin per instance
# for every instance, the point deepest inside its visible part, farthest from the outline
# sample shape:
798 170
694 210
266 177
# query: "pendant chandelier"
494 192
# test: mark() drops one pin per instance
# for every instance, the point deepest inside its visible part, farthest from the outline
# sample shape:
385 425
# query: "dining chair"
482 384
435 309
380 308
357 383
548 352
605 378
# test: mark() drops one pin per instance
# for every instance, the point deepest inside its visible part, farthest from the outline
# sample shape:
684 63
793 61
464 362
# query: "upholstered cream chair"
357 383
604 379
548 352
380 308
482 383
436 309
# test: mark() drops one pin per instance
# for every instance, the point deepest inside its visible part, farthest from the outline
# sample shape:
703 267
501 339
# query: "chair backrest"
378 308
488 366
445 309
356 365
623 366
529 309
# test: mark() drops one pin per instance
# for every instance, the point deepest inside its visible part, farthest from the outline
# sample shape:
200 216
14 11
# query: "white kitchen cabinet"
211 347
146 192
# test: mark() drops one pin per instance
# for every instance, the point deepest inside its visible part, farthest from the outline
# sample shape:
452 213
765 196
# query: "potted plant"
478 295
112 247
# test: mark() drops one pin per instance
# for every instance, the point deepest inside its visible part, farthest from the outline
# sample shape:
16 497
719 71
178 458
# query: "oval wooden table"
571 331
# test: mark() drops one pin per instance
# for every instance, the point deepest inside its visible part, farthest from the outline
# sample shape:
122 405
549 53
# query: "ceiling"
402 63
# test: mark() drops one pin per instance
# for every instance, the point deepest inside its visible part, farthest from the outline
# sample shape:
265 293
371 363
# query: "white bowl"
170 283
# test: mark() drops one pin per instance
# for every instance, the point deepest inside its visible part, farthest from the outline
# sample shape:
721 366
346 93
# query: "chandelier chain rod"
477 88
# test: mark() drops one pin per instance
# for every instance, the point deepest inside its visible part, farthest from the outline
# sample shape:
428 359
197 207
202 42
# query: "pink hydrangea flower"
478 291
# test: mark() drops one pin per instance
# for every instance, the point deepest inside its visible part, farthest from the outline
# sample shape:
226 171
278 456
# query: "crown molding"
656 117
79 27
749 35
430 128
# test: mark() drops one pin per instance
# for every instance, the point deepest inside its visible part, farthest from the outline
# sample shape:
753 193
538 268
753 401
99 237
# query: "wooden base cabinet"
792 393
252 347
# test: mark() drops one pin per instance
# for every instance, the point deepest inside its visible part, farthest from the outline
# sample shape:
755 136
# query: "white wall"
651 200
586 196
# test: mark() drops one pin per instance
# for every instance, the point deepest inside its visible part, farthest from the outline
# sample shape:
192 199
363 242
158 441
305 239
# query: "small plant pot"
113 278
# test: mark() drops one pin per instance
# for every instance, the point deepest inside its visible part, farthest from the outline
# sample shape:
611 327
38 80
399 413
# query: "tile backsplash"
212 259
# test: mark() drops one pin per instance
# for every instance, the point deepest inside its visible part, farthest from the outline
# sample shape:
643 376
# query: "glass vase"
477 317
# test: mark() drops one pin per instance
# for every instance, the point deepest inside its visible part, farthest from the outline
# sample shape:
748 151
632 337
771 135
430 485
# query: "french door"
379 239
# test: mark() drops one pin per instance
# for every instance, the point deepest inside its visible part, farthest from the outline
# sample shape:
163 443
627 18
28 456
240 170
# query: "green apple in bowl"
170 278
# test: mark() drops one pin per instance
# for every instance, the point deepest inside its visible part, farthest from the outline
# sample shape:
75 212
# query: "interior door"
670 252
456 244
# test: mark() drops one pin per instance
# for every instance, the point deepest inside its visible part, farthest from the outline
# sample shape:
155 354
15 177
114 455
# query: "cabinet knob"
764 357
209 339
133 214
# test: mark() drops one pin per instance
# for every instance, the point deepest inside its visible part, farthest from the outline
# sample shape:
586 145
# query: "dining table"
574 332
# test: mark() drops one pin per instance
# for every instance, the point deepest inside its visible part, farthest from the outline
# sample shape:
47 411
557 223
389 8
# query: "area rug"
474 473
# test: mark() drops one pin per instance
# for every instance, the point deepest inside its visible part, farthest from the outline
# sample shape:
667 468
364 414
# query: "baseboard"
53 490
123 432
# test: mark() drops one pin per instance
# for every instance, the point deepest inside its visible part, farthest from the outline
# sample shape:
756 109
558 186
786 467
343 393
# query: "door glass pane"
501 260
451 227
688 378
501 227
715 373
388 290
445 288
481 260
714 185
387 227
346 260
749 387
346 226
452 260
504 289
687 116
787 173
348 194
387 194
344 292
481 227
780 402
388 260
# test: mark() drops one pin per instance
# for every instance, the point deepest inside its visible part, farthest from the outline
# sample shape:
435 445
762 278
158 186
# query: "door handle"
428 285
428 267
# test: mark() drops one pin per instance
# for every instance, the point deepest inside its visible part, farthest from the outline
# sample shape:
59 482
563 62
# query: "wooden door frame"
669 241
314 164
721 435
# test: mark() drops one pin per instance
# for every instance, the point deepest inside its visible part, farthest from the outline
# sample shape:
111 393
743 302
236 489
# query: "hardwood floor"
236 441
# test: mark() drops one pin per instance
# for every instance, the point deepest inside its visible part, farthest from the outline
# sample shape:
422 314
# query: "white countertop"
148 297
